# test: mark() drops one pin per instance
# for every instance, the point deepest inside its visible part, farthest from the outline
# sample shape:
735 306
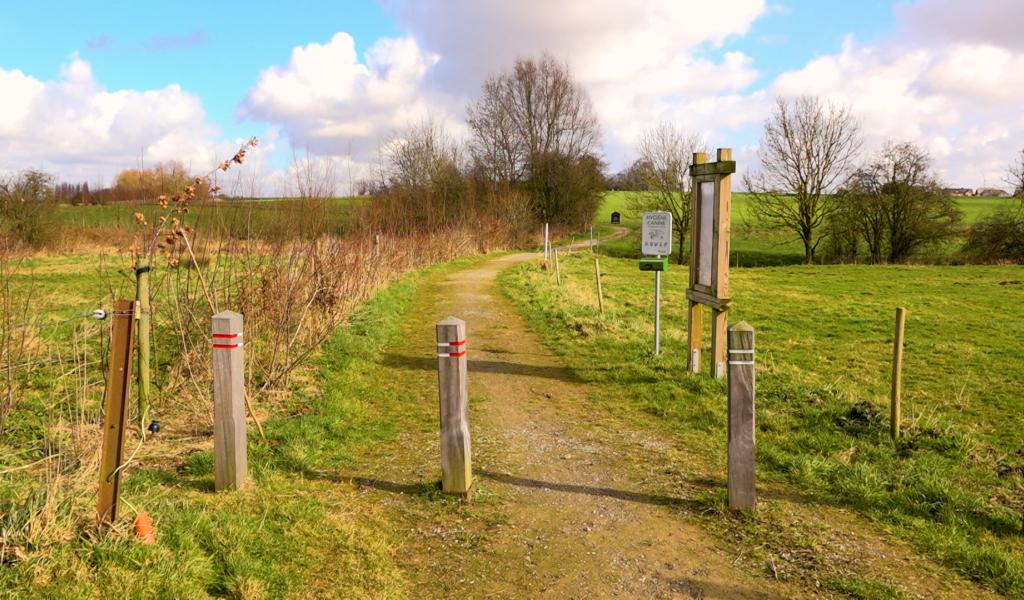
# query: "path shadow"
588 490
423 363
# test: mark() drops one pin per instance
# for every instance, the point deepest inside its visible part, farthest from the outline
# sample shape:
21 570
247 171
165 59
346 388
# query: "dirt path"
561 510
555 514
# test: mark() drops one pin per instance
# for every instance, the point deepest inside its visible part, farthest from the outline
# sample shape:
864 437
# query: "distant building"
992 193
959 191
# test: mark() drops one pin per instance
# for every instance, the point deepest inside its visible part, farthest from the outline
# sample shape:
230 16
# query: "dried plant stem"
199 272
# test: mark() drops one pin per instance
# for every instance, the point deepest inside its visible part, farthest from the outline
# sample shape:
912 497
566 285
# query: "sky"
86 91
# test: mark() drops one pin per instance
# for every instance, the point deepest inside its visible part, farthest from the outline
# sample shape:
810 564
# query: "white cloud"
75 127
994 22
637 59
328 101
960 100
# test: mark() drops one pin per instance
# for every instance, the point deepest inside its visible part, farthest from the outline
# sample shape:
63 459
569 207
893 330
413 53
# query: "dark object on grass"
154 426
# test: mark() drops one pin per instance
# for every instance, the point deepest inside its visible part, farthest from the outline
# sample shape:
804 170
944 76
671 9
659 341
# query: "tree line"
814 181
532 155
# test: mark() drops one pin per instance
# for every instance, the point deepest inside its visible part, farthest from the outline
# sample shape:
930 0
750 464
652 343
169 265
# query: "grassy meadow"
752 244
953 485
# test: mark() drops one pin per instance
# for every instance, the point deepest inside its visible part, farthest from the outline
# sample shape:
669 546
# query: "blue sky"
238 71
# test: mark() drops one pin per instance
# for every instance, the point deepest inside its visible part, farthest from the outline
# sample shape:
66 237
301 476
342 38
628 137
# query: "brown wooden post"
741 417
115 408
597 278
558 270
229 450
693 334
720 257
453 395
719 326
895 413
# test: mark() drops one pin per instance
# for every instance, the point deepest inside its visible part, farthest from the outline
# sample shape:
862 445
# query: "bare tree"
532 119
663 175
1015 176
897 204
420 155
315 176
806 150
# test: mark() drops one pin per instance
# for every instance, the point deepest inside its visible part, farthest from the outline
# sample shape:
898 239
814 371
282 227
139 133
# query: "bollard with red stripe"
229 450
453 396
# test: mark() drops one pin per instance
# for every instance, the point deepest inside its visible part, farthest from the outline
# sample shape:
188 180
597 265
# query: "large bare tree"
806 150
897 204
531 120
663 175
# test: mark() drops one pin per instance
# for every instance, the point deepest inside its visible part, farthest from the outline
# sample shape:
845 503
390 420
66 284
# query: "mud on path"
559 511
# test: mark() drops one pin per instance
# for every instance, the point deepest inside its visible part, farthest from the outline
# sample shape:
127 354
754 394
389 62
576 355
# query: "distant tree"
897 204
998 237
565 189
662 175
532 120
27 208
632 178
1015 176
806 150
162 179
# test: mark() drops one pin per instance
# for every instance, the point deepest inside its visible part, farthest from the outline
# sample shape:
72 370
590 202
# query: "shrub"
997 238
28 209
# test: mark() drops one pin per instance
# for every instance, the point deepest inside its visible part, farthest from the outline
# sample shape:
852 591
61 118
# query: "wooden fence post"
229 450
453 396
741 417
597 277
115 408
693 334
558 270
143 313
895 412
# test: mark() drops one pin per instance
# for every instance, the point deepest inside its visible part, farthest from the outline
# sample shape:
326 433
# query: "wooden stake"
558 271
115 408
230 464
453 396
719 327
597 277
693 334
897 374
142 303
741 417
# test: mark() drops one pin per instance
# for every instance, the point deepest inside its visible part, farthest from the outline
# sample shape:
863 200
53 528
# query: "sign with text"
656 234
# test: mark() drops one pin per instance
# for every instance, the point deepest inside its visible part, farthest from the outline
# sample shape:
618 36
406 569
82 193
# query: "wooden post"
741 417
693 334
547 246
229 450
143 312
558 271
897 374
719 326
115 408
453 396
597 277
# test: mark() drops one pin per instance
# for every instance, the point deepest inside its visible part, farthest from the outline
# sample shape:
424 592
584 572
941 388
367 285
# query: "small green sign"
653 264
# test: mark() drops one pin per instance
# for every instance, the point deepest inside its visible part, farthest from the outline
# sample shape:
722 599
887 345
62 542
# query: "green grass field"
242 218
291 534
753 245
954 485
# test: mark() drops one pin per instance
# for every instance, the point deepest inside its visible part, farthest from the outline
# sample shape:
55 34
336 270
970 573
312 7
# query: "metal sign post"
656 240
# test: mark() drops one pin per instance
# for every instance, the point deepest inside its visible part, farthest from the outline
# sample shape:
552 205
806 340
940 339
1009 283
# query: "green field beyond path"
952 485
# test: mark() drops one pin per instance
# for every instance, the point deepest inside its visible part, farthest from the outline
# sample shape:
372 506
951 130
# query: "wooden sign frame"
712 291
